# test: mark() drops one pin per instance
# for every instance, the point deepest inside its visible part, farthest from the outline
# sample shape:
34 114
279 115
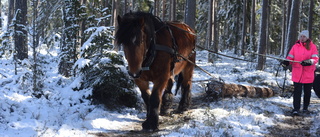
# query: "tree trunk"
156 8
237 29
0 16
268 50
215 27
115 14
20 39
209 31
252 26
263 36
244 26
82 25
11 12
69 50
284 26
172 10
35 43
293 25
311 6
191 13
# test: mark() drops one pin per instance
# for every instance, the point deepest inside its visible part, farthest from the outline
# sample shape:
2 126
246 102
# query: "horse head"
134 36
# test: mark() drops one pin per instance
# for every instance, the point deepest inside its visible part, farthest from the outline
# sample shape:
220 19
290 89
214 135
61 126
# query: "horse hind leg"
185 100
167 99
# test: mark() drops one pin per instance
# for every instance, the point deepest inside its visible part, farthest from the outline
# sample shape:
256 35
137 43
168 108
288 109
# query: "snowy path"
284 125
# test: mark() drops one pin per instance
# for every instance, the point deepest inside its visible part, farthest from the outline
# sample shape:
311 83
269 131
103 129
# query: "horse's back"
185 37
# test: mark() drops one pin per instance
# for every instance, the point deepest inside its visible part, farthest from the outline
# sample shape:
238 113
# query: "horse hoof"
146 126
166 113
180 110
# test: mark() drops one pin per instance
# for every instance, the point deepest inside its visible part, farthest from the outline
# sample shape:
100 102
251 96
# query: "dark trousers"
297 95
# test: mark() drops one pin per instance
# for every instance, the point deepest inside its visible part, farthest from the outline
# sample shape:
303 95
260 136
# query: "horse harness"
154 47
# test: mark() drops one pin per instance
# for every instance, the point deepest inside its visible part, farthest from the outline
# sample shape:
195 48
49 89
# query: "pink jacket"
303 74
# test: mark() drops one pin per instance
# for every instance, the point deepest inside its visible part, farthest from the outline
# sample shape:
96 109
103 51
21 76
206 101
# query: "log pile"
218 89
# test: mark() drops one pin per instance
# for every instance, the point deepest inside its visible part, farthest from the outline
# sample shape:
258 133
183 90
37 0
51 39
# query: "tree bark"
311 6
0 15
11 12
172 10
209 31
263 36
252 26
191 13
244 26
284 26
293 25
215 27
237 29
21 35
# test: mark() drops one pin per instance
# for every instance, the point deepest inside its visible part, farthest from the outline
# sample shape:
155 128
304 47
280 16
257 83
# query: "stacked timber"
218 89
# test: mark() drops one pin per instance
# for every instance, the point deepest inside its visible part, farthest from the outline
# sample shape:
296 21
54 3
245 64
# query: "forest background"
83 31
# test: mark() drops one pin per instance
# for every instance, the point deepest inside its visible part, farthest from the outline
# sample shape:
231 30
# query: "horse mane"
129 32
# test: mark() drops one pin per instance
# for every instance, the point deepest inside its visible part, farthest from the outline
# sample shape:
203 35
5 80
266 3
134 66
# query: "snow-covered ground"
65 113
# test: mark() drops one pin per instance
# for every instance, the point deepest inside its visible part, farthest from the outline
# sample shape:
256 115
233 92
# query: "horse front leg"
145 93
154 105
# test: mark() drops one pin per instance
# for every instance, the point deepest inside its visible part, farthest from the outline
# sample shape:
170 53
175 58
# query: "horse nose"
135 75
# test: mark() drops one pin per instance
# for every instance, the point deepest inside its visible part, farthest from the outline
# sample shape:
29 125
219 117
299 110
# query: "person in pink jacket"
304 56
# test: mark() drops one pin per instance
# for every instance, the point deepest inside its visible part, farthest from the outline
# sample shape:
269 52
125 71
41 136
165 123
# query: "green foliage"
5 47
101 70
144 5
68 50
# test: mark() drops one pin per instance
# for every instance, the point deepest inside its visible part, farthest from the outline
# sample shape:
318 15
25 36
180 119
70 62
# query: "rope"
284 80
197 66
222 54
270 56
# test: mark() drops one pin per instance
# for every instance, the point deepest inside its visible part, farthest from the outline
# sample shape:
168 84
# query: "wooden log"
219 89
250 90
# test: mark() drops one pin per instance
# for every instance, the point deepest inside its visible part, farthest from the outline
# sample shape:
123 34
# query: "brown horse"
156 51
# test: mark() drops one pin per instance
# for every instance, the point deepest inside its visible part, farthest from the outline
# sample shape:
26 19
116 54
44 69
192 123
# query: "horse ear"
119 19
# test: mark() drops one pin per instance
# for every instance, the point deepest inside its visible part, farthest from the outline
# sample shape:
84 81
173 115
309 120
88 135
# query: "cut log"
218 89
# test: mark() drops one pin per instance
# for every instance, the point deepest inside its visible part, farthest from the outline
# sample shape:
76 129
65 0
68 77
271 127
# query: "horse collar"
152 51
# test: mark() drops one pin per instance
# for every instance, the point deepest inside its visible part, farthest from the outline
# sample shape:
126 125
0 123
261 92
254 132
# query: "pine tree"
68 54
101 68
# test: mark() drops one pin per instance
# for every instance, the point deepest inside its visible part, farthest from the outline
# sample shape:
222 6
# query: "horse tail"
179 82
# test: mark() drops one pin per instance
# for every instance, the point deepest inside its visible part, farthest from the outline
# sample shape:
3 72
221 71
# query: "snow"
64 112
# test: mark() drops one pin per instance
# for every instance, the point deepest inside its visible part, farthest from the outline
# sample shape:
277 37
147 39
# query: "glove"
307 62
285 63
